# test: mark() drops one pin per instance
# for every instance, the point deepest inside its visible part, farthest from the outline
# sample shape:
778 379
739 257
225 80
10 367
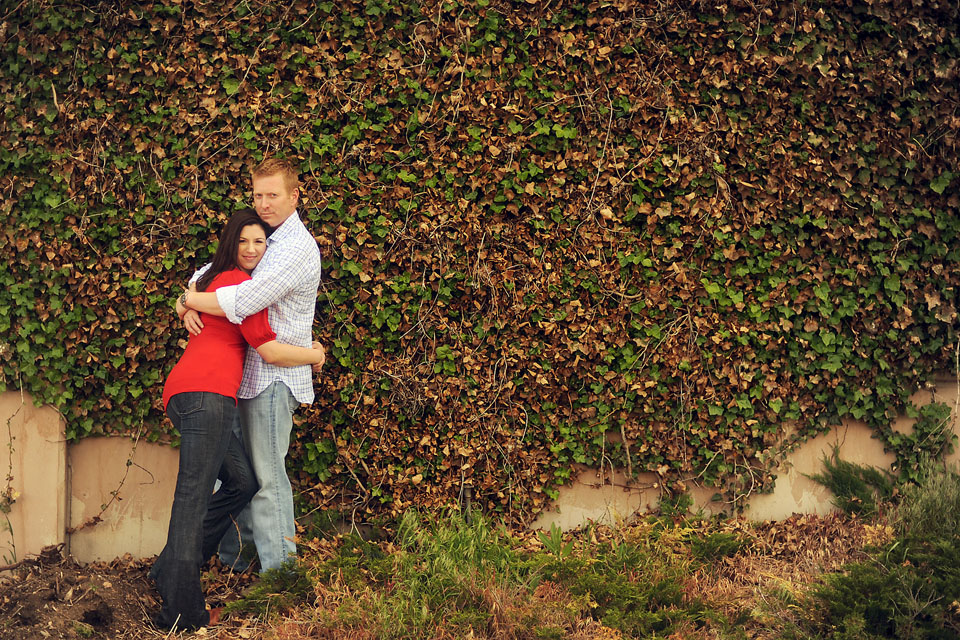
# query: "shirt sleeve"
227 298
256 329
269 284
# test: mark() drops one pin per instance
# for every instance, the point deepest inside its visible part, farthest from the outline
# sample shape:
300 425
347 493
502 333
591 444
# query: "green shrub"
905 595
932 506
908 588
632 588
857 489
277 590
716 545
675 506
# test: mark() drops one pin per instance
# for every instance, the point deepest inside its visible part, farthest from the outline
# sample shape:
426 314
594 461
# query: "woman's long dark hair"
225 258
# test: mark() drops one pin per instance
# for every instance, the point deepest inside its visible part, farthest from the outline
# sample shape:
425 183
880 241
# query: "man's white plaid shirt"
285 283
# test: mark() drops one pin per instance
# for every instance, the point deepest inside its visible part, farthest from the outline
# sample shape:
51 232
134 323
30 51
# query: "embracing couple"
232 395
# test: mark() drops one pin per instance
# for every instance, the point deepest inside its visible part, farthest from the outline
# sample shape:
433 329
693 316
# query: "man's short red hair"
274 166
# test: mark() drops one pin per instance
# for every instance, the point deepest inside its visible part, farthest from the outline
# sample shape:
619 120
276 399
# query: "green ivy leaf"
940 183
230 85
833 363
711 288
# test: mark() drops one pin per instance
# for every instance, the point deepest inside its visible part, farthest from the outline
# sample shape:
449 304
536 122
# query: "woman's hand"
323 356
192 322
189 317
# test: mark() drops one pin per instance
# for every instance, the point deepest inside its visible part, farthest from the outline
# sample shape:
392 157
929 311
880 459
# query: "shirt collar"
286 229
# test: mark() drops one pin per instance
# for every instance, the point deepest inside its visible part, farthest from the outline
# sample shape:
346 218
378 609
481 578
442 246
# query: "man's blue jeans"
266 422
205 421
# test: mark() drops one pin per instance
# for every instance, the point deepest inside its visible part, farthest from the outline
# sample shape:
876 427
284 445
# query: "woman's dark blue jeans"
208 449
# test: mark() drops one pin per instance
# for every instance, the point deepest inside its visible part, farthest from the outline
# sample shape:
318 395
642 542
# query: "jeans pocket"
184 404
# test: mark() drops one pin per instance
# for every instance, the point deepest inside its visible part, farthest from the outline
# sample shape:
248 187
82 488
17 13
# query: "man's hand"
323 356
192 322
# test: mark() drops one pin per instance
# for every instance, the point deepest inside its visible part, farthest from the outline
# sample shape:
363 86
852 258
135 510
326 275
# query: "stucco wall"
610 498
33 462
60 487
136 523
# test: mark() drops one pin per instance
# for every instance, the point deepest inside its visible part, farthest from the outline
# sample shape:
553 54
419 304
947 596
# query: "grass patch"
437 573
277 591
670 575
445 577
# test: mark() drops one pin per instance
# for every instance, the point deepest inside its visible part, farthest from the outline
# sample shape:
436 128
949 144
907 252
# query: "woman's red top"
213 360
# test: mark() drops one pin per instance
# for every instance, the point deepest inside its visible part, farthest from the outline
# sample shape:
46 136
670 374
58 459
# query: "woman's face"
253 244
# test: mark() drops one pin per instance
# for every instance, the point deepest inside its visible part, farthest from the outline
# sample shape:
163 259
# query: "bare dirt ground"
51 596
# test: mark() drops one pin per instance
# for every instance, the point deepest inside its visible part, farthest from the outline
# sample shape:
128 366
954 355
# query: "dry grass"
762 587
758 592
769 579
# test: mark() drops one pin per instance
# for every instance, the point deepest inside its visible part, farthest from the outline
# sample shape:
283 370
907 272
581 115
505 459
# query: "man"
285 283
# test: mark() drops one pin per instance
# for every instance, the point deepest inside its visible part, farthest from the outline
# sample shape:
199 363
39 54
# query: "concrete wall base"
32 475
59 492
612 498
142 474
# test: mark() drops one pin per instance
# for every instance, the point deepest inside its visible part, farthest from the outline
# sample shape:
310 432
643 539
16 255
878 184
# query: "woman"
200 397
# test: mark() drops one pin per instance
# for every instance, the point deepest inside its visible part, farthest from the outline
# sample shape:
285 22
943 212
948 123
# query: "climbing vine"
648 234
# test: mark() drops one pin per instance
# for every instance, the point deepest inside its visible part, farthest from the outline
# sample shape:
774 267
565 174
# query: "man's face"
273 201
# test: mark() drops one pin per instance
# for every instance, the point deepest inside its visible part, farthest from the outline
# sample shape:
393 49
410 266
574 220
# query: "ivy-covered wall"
647 234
